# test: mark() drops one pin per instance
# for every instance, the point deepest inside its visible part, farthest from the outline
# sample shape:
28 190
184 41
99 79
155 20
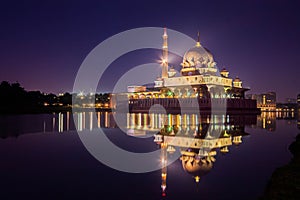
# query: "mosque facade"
199 84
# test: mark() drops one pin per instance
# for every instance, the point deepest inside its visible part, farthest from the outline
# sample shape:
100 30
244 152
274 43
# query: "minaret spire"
198 40
164 164
164 73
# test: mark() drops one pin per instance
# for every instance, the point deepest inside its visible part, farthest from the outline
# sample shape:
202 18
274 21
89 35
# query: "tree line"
14 98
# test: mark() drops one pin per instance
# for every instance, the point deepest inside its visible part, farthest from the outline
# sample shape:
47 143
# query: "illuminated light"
171 149
68 121
132 121
139 125
79 125
226 134
106 124
197 179
145 121
224 149
163 145
98 119
152 121
158 139
170 120
91 120
195 133
237 140
60 122
212 159
163 61
83 120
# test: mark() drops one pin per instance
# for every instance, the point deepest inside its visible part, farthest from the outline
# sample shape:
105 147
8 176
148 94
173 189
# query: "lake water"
216 157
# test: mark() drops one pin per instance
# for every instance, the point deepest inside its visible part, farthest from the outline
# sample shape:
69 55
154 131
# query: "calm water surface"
42 156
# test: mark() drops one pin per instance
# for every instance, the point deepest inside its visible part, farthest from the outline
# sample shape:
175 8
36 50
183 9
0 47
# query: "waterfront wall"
190 104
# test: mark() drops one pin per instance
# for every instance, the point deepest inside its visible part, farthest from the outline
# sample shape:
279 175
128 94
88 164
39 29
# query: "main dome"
199 57
198 54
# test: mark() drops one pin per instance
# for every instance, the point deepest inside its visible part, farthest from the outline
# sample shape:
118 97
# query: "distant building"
135 88
265 101
290 100
290 105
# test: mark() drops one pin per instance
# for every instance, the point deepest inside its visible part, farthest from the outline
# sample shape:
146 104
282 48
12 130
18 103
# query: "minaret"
198 40
164 73
164 161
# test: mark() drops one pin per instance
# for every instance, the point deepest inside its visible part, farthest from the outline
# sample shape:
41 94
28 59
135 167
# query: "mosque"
198 84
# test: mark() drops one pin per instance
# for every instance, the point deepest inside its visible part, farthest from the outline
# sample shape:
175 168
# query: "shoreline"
285 181
46 110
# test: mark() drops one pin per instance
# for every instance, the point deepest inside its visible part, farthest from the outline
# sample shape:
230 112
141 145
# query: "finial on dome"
198 40
165 31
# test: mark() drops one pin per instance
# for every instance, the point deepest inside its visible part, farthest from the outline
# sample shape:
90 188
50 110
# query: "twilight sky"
43 43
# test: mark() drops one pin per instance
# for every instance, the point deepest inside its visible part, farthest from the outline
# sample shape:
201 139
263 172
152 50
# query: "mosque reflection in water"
198 138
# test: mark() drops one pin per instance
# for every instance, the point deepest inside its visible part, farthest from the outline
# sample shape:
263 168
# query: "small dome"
172 72
237 79
224 70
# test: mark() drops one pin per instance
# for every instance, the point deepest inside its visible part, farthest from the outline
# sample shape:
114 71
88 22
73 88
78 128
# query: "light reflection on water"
205 157
135 122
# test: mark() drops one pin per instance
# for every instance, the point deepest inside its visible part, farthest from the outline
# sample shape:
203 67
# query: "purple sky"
43 43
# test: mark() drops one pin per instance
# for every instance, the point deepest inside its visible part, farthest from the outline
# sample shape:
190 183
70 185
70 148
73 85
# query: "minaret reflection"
164 159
